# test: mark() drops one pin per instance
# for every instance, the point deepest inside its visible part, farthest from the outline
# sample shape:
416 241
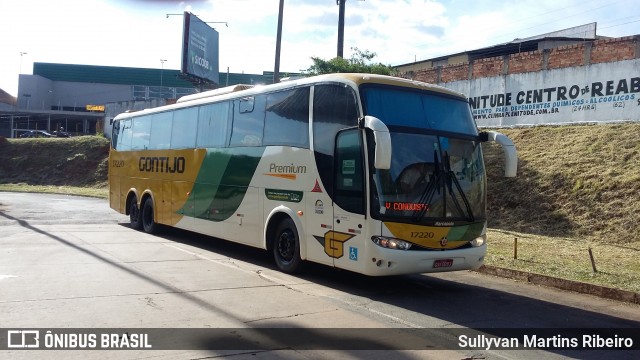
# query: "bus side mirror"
382 138
509 149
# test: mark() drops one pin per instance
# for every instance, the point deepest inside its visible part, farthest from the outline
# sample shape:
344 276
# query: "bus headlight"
479 241
391 243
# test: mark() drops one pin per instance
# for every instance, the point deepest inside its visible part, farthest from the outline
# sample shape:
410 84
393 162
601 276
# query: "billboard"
199 49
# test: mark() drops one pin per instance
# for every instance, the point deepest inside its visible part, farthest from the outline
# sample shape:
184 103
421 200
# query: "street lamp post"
162 61
21 54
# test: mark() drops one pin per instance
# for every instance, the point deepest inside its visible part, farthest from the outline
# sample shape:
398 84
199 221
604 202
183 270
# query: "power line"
562 18
515 33
630 22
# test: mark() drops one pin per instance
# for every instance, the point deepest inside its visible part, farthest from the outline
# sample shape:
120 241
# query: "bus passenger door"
349 211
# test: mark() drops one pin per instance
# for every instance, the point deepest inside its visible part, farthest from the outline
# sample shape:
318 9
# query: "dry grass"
97 192
78 161
617 265
577 187
573 181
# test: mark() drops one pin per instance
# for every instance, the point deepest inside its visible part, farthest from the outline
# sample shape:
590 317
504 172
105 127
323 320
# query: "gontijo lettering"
162 164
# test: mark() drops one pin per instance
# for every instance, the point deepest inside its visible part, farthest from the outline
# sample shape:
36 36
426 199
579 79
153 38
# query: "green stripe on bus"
212 199
473 231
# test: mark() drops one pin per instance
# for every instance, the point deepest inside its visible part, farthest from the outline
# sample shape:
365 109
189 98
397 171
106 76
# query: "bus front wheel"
134 215
286 247
148 223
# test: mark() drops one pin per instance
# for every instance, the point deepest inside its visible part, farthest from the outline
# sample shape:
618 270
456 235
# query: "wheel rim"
286 245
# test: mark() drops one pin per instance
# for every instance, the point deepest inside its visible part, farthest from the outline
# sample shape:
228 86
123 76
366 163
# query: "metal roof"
109 75
137 76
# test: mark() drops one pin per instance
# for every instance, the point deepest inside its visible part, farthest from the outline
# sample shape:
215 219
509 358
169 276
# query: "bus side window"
287 118
349 184
160 130
124 139
334 108
214 122
248 125
115 131
184 128
141 133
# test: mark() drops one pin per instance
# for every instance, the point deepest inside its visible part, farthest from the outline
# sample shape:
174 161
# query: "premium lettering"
287 169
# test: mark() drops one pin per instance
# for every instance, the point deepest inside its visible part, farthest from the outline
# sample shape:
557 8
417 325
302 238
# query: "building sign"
95 108
593 93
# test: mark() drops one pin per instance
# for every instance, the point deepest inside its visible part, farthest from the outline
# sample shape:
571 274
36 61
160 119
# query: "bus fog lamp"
479 241
391 243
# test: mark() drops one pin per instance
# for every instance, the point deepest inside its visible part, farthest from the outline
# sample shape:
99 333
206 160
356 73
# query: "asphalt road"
73 263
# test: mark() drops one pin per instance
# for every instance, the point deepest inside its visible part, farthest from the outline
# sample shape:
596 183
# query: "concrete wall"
80 94
595 81
33 92
592 93
38 93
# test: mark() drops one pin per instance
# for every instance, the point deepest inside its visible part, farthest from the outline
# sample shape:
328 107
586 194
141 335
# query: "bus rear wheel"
148 223
286 247
134 215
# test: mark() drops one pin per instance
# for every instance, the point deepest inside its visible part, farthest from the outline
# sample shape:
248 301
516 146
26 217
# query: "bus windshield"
437 173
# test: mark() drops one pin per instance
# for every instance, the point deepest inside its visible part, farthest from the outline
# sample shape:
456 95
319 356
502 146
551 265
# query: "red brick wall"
428 75
454 72
526 62
613 50
566 56
488 67
599 51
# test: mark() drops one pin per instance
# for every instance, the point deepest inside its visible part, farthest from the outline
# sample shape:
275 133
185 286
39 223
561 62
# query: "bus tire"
148 223
286 247
134 214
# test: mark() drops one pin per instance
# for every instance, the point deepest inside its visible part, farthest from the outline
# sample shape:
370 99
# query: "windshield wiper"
429 190
447 176
454 179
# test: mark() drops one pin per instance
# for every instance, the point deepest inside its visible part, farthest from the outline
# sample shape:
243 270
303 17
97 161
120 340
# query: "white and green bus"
373 174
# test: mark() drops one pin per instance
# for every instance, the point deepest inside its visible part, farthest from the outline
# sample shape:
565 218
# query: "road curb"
570 285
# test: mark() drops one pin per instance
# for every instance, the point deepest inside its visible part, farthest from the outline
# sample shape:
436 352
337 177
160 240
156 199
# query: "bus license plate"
442 263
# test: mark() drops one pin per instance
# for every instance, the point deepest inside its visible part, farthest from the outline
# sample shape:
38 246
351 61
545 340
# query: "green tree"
359 62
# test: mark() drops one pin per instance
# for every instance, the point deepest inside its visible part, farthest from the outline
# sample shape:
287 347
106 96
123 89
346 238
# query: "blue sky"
137 33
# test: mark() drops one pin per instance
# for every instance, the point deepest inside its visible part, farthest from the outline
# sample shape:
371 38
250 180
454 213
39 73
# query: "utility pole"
276 68
341 4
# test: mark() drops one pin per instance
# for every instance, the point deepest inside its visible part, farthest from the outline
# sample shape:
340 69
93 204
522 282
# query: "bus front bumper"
385 262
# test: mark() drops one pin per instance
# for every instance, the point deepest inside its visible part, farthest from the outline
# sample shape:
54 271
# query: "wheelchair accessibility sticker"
353 253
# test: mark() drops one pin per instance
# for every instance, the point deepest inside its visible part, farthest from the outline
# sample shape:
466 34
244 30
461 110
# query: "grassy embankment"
578 187
68 166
